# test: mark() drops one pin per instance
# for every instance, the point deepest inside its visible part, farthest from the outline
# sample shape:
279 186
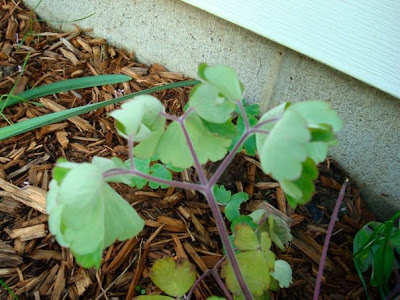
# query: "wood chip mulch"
178 223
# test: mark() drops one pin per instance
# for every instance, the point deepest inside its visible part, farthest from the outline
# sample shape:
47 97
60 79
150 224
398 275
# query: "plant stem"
175 183
199 169
327 239
223 232
244 115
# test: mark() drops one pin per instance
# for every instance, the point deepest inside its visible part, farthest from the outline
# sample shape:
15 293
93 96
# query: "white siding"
358 37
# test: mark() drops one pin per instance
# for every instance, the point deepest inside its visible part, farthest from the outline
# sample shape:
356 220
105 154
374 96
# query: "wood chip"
28 233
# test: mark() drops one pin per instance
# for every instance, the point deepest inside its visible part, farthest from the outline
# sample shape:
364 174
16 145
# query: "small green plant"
87 215
375 246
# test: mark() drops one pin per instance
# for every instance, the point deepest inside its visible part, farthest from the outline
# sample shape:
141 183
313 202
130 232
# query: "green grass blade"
66 85
28 125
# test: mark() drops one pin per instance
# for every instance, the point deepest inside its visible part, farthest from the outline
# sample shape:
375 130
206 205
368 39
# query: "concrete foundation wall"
180 36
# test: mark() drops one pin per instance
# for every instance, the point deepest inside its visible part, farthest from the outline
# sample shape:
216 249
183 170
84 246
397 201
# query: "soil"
178 223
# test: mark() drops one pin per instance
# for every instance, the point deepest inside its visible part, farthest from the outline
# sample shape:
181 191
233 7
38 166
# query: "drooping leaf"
299 191
222 196
395 238
255 271
245 238
283 273
139 117
173 278
209 104
90 216
283 151
232 209
224 79
172 147
278 230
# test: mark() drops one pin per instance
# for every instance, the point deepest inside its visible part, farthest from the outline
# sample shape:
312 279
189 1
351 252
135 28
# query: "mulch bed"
178 223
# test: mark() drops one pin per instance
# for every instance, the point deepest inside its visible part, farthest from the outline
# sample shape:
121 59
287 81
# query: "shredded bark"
178 223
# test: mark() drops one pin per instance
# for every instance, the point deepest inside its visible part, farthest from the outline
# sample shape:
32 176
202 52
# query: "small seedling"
86 215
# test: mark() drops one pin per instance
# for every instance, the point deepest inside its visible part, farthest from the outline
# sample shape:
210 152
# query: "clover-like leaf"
232 209
255 271
173 278
221 195
224 79
159 171
209 104
87 215
282 273
172 147
139 117
245 238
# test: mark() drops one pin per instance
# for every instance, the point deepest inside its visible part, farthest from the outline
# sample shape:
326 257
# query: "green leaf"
278 231
66 85
224 79
87 215
245 220
207 145
215 298
317 114
283 273
173 278
159 171
257 215
283 151
301 190
365 259
226 129
209 105
255 271
382 267
395 238
232 209
222 196
31 124
139 117
245 238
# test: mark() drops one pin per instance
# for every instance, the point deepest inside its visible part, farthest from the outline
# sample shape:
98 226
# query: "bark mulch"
178 223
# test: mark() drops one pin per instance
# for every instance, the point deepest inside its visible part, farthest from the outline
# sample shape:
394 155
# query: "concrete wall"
180 36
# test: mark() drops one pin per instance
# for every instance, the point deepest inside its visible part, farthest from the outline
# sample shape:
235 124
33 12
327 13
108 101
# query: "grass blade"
65 85
28 125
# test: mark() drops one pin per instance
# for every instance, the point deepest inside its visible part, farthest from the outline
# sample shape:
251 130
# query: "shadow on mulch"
33 265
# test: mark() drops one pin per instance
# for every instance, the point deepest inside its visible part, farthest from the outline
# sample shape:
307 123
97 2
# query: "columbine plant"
87 215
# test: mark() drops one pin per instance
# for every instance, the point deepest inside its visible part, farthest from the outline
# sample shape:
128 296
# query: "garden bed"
178 223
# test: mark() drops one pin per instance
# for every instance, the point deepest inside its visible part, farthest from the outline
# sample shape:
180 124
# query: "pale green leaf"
172 147
224 79
209 105
255 271
245 238
283 150
87 215
146 148
139 117
318 113
283 273
173 278
215 298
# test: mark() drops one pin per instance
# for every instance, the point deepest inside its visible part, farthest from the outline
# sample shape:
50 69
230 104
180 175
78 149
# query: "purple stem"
199 169
327 240
244 115
175 183
214 272
223 233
